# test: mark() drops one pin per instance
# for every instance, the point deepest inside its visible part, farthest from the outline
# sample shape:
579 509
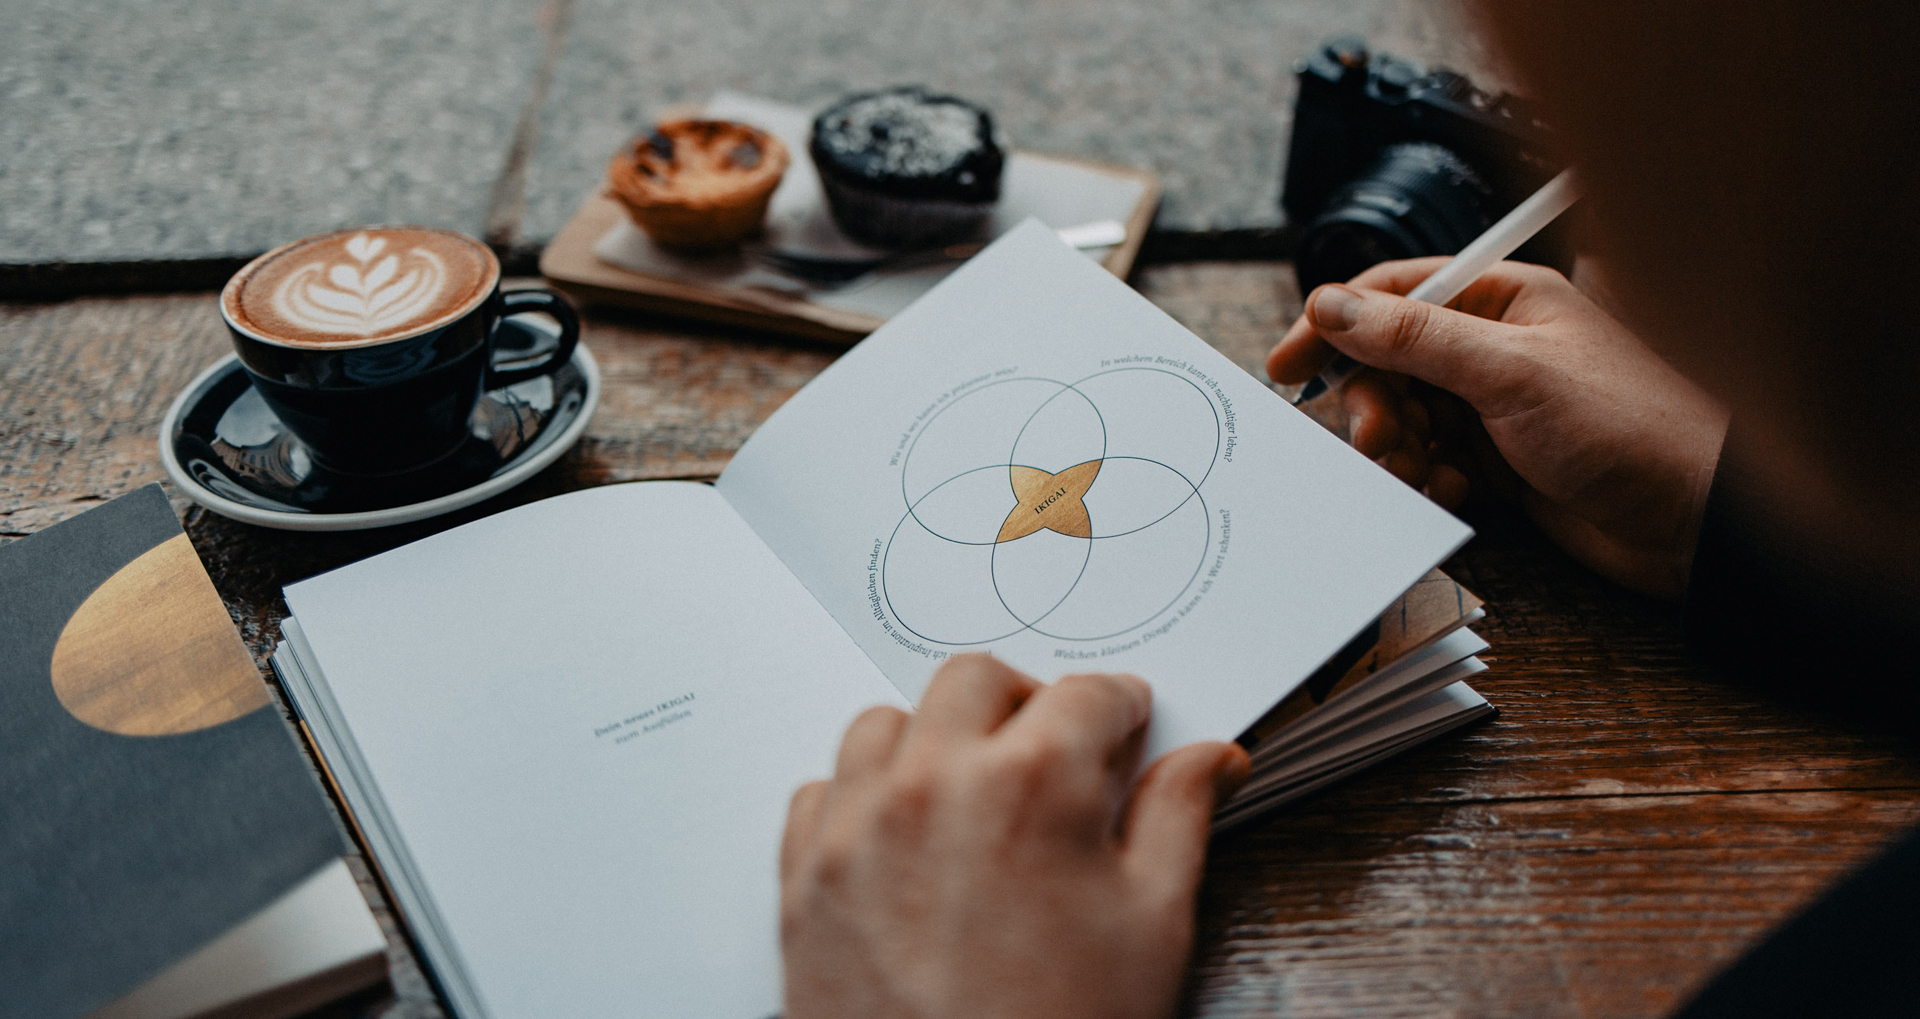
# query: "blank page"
585 717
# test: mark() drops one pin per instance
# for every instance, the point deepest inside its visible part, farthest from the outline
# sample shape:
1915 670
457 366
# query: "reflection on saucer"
225 447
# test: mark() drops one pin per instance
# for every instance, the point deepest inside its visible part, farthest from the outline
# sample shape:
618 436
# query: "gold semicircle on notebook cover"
151 652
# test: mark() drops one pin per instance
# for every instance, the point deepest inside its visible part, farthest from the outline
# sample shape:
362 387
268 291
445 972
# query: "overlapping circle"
970 563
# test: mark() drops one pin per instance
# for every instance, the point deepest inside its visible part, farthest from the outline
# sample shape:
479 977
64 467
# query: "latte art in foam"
355 287
375 295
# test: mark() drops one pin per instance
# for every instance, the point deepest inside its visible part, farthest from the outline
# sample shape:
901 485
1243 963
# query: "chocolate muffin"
906 168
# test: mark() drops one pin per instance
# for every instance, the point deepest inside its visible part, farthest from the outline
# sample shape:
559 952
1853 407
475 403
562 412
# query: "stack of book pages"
1401 682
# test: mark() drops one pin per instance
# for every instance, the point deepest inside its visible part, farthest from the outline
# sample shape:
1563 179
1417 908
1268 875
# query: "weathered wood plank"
1626 826
1587 906
83 385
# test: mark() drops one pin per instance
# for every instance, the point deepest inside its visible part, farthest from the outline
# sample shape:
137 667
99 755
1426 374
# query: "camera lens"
1416 199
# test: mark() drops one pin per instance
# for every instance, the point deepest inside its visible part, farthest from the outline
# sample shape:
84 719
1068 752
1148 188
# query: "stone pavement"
185 130
139 129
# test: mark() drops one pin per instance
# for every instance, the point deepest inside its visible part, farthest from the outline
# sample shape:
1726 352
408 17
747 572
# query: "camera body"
1389 160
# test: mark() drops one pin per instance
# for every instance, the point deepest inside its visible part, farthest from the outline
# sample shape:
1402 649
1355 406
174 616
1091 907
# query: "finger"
1481 360
870 742
1409 459
1400 276
1300 355
1303 352
1164 831
1447 487
971 695
803 821
1095 719
1373 421
1408 463
1496 294
1415 419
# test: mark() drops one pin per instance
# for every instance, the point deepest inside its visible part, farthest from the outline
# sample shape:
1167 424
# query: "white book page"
319 932
1427 717
585 717
1035 461
1367 730
1390 685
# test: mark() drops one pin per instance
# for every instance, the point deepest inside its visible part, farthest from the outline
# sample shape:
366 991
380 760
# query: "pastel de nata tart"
698 185
908 168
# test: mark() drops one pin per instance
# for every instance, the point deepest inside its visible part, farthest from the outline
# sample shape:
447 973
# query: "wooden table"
1627 826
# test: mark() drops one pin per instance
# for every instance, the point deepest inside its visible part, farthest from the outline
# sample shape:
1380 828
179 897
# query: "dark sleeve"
1851 955
1775 605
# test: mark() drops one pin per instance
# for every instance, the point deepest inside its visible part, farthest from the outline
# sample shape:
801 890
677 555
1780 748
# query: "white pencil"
1485 251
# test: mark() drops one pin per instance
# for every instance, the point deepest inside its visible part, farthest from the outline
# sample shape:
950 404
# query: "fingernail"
1353 429
1229 779
1335 307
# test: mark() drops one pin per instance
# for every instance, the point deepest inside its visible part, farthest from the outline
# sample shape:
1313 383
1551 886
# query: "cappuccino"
354 288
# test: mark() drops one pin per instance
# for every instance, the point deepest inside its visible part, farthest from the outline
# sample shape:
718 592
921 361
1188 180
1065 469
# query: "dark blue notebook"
150 796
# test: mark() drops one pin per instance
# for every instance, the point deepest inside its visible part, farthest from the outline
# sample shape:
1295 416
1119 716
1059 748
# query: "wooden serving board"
571 265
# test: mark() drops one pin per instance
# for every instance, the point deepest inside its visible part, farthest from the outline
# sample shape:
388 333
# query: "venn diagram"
1074 510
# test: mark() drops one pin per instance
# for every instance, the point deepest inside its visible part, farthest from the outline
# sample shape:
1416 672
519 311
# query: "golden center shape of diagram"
1050 502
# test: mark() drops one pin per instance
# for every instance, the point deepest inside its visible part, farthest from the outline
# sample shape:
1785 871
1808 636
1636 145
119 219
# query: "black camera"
1389 160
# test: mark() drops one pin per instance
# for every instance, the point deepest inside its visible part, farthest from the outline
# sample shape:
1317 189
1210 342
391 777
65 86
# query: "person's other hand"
991 856
1613 448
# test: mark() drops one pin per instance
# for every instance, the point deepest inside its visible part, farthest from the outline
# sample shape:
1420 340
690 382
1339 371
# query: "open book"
568 732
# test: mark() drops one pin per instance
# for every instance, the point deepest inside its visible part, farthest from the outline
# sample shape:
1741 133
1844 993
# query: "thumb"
1477 359
1171 812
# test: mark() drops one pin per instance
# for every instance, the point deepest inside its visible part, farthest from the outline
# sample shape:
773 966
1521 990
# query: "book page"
1423 718
313 944
585 717
1432 608
1035 461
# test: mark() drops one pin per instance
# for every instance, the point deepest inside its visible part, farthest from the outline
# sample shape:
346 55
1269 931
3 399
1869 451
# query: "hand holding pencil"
1523 390
1481 254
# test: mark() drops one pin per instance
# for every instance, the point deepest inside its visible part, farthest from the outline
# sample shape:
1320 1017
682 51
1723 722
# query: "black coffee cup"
398 396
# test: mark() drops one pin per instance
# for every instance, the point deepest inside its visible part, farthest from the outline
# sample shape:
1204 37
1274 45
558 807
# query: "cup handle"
523 302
